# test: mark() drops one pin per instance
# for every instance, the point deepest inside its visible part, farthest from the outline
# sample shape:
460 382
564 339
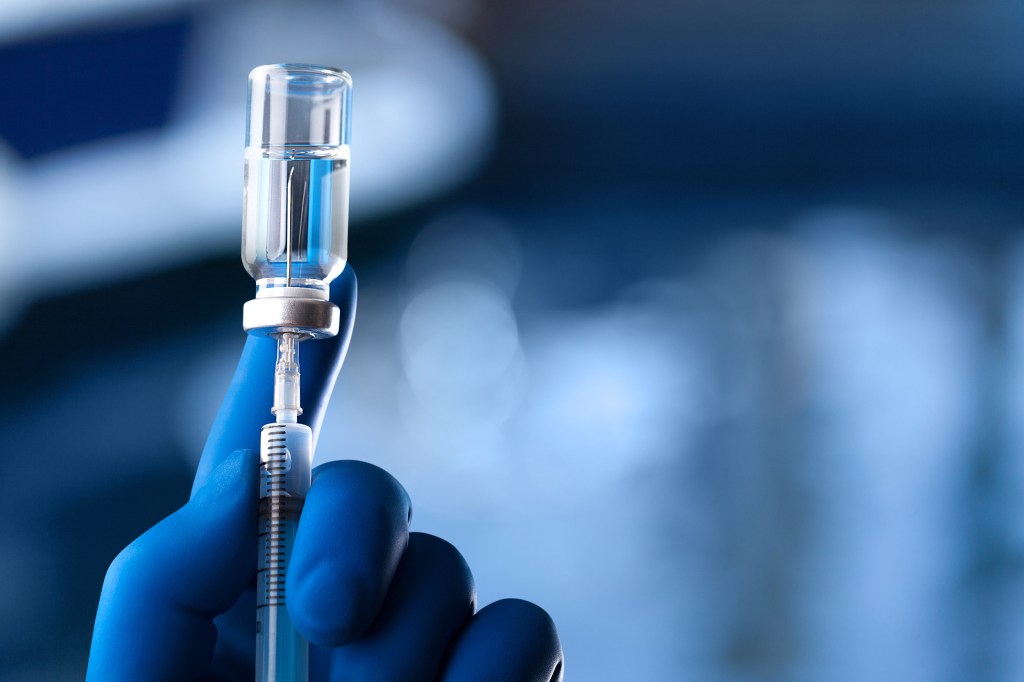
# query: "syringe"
286 455
294 242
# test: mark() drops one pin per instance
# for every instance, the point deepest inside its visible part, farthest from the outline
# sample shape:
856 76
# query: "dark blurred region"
47 81
752 94
710 343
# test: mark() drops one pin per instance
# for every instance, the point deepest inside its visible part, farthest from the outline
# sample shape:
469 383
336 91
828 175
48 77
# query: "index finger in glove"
246 407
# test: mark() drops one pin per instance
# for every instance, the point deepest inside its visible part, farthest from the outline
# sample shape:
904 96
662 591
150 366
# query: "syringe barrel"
286 458
295 225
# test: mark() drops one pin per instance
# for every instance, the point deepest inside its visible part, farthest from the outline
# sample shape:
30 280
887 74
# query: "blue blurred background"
699 323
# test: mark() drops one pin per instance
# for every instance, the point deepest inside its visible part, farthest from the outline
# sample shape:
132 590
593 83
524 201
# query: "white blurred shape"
471 245
895 366
423 100
1006 506
20 19
459 345
608 394
423 120
1013 476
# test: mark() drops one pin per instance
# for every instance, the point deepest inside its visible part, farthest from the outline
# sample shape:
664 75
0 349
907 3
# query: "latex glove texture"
377 602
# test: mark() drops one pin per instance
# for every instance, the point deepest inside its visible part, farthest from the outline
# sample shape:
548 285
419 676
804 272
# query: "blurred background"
699 323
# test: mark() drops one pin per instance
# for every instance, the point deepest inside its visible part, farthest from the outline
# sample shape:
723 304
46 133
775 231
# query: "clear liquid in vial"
295 218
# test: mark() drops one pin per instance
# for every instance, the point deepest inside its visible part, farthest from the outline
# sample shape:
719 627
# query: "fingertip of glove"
525 618
345 288
513 636
352 535
370 479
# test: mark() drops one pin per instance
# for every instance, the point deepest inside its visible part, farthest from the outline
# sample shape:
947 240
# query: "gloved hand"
376 602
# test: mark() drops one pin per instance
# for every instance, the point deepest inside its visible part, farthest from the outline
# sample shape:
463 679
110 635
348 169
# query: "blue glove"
376 602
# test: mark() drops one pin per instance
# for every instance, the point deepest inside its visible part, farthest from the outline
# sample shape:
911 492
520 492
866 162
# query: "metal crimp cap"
312 317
